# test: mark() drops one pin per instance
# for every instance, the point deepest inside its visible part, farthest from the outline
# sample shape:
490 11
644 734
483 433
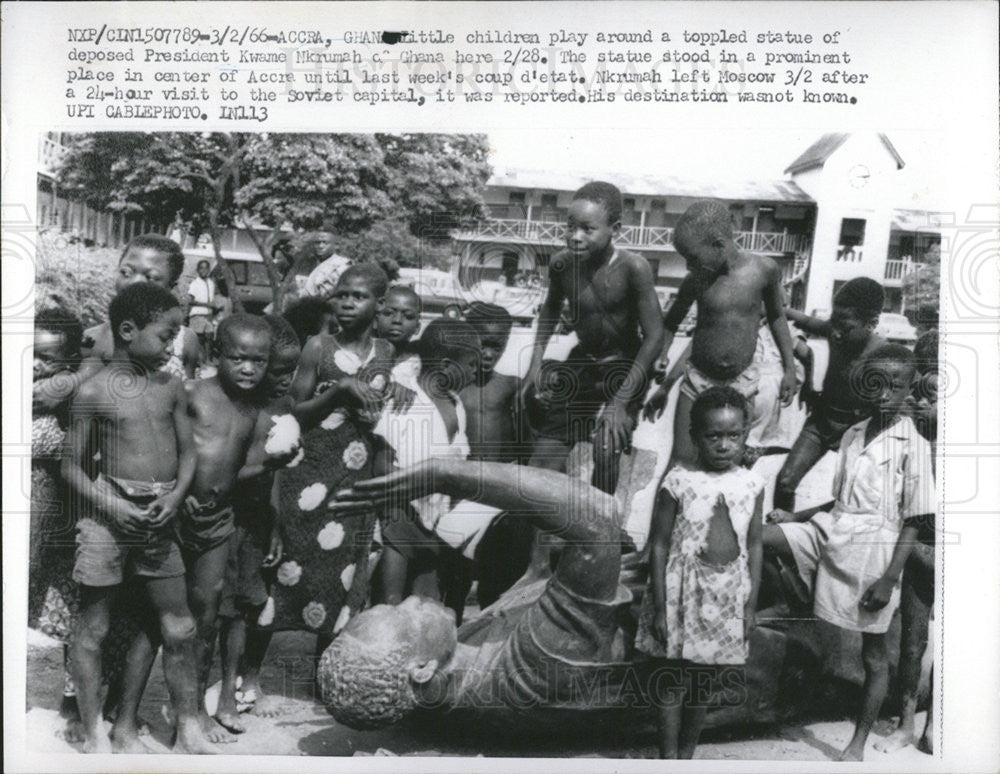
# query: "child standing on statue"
705 563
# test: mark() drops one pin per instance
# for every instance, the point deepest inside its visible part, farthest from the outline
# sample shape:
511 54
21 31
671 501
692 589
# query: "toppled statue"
557 644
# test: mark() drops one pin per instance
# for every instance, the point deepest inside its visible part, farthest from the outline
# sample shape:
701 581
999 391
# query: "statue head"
371 675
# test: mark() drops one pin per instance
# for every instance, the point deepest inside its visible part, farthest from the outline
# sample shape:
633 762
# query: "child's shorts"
105 556
825 426
204 526
695 382
578 389
840 555
245 588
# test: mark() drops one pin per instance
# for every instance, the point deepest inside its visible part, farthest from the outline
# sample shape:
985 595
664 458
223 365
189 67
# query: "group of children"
205 494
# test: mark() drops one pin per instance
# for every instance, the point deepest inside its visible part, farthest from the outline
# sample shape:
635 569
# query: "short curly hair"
704 219
717 398
161 244
365 686
61 321
283 335
142 303
371 273
604 194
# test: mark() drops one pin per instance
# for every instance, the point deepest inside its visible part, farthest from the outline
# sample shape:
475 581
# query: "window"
257 274
852 232
516 208
549 209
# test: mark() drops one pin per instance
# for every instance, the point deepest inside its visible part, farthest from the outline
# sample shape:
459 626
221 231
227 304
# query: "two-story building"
830 219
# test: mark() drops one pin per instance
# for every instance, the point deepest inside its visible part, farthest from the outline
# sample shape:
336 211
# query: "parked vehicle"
895 327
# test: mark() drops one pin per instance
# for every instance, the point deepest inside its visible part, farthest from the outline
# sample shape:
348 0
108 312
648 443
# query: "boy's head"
145 319
884 379
594 218
284 356
58 339
150 258
399 317
856 309
720 418
309 316
204 268
493 324
703 235
449 354
243 346
358 295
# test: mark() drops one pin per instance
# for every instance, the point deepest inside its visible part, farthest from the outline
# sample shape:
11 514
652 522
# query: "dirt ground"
305 728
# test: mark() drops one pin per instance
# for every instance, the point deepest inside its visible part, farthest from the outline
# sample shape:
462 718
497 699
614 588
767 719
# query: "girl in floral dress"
323 576
705 565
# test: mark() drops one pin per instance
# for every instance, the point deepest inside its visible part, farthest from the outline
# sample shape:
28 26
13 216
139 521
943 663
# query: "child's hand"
657 402
779 516
660 626
878 595
614 429
276 461
162 510
274 551
360 393
749 621
401 397
129 517
788 382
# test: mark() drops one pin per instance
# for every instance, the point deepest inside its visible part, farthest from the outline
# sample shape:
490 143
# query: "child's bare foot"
98 742
126 740
213 731
267 706
72 732
189 739
853 752
230 721
897 740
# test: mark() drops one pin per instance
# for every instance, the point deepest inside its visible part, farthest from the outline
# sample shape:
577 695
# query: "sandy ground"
305 728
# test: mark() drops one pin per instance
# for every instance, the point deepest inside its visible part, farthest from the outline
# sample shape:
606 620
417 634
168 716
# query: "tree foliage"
922 289
398 193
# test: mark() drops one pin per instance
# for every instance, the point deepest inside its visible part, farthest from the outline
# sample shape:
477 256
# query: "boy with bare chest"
224 411
729 286
135 416
597 392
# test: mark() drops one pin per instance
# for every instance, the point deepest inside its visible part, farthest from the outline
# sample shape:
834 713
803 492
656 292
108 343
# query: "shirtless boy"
489 400
136 417
223 411
147 258
597 392
729 286
257 544
856 309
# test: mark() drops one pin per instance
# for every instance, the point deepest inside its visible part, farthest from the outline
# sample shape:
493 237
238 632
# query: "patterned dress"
704 602
323 577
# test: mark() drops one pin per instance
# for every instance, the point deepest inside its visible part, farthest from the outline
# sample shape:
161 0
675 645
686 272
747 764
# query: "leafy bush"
75 276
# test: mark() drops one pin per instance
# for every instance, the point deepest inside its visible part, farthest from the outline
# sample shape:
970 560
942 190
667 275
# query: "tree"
351 184
922 289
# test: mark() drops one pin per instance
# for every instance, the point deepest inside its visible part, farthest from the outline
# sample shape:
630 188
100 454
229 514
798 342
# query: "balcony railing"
650 237
851 253
896 270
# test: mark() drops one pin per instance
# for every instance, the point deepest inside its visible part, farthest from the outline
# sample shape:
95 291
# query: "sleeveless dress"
704 602
323 577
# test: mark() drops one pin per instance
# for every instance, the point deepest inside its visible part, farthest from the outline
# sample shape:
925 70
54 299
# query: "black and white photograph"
500 384
368 429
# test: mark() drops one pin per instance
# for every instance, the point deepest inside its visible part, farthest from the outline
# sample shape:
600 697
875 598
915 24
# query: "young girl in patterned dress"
338 388
704 570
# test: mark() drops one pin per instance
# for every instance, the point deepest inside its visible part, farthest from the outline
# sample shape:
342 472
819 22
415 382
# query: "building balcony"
553 233
897 270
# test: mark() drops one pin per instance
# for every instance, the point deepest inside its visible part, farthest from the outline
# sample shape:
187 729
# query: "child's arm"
190 354
755 557
804 354
774 305
686 295
79 450
311 410
657 402
878 594
779 516
660 534
808 323
164 508
276 547
548 318
614 421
